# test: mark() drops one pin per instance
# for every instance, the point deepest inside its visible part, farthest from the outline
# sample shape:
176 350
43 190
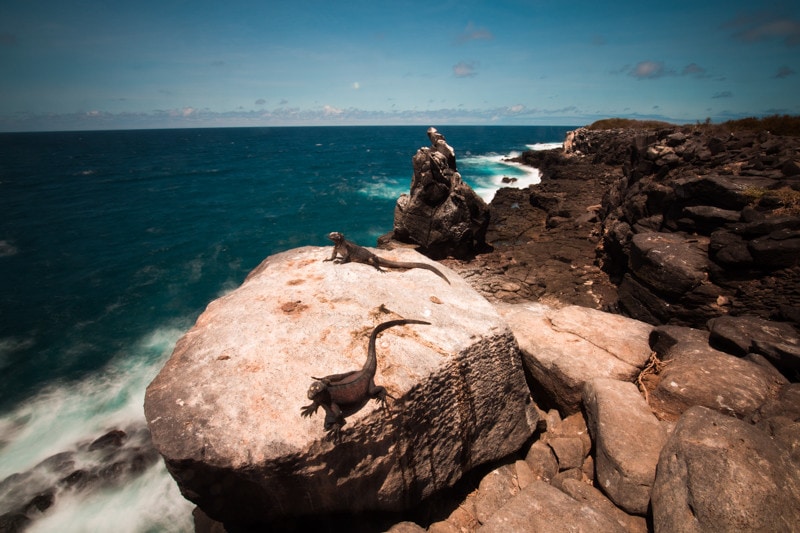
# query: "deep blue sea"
112 243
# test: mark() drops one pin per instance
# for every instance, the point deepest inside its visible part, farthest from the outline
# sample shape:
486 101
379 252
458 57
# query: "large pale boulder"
565 347
225 410
718 473
628 439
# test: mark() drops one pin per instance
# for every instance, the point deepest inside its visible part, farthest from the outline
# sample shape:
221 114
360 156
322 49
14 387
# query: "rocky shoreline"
649 285
693 230
650 281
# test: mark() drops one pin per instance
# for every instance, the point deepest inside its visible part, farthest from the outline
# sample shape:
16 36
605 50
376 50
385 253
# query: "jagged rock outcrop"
701 224
225 409
441 213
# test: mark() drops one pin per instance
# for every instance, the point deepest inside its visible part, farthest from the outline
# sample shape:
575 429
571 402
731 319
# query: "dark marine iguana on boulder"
350 251
351 388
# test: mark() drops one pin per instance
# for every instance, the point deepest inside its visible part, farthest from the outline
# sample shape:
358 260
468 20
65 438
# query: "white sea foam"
151 502
385 188
489 173
484 173
544 146
63 416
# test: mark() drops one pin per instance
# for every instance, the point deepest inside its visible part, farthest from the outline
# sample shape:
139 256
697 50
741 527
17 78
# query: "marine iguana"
351 388
350 251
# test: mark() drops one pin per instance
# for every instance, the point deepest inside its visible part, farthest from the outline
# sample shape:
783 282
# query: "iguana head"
336 237
315 389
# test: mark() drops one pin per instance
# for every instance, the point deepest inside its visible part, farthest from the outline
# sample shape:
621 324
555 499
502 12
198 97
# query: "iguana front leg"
308 410
333 256
333 422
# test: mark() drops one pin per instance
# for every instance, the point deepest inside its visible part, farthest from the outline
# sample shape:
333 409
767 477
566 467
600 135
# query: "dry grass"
654 366
783 201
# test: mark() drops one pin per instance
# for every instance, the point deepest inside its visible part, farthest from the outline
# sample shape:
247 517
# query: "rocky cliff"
516 411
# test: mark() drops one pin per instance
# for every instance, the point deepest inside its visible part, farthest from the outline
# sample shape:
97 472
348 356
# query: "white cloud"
648 70
330 111
464 70
356 85
474 33
765 25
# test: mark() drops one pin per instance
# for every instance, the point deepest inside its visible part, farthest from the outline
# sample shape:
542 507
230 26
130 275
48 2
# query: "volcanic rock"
441 213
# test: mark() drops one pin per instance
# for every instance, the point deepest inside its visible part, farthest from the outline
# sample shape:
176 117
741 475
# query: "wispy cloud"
649 70
765 26
722 94
463 69
693 69
474 33
784 72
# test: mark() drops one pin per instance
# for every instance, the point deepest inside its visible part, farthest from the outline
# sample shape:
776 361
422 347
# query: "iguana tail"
403 264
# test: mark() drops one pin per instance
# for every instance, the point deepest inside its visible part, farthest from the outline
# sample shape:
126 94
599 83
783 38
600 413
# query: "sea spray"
490 172
107 237
83 449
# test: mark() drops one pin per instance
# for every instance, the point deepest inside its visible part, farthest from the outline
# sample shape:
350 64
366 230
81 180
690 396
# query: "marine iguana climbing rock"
351 388
350 251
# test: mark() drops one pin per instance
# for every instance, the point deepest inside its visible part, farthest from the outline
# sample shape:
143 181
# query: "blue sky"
92 64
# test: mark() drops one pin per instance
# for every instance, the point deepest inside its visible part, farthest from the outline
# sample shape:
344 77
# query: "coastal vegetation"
624 123
788 125
784 201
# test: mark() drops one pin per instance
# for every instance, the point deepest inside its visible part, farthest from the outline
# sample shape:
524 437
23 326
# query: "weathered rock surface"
225 410
441 213
696 374
700 224
545 237
628 439
563 348
717 473
777 341
543 508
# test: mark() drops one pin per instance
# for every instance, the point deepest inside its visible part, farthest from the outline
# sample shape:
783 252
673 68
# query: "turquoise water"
112 243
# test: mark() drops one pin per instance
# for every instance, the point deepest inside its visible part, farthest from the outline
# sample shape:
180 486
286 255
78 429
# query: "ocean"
113 242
